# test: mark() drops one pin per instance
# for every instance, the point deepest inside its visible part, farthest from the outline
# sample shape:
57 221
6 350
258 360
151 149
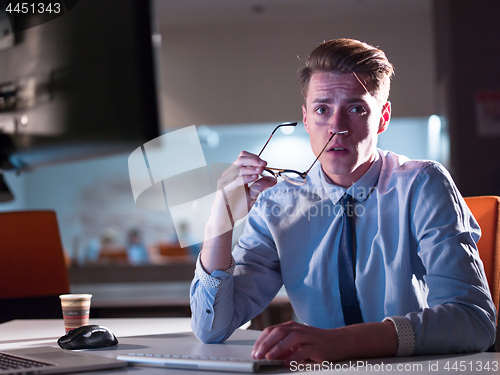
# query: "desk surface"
27 333
158 335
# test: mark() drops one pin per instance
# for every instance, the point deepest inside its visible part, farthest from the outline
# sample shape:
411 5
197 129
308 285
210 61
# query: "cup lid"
75 296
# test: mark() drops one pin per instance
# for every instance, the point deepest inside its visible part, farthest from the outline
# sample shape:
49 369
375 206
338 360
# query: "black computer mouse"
87 337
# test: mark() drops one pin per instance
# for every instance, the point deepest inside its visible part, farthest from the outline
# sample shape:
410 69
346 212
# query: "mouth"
337 149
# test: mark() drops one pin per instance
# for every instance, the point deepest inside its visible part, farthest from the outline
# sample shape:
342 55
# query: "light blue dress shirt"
416 258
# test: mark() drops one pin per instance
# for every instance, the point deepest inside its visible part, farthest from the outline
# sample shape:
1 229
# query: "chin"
336 174
338 170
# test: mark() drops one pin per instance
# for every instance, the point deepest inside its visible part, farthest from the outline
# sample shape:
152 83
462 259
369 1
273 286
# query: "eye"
320 110
359 110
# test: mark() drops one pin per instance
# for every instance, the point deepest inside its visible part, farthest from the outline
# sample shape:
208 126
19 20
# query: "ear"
385 117
304 118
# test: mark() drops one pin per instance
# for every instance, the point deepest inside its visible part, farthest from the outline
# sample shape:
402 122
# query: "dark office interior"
81 92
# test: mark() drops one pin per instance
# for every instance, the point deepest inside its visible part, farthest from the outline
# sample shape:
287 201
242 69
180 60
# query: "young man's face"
338 102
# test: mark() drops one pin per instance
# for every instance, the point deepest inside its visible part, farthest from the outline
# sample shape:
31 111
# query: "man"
420 286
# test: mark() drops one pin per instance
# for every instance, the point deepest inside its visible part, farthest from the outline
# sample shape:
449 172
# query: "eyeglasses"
290 175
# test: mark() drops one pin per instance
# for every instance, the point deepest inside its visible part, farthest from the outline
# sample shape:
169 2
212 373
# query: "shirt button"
208 311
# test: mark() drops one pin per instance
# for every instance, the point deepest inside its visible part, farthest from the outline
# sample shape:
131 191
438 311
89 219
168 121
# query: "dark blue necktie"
346 266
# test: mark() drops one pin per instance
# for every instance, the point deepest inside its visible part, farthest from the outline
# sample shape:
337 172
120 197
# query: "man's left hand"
292 341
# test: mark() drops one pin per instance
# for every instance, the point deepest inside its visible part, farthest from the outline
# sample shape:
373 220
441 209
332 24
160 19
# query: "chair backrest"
486 210
32 262
113 254
172 249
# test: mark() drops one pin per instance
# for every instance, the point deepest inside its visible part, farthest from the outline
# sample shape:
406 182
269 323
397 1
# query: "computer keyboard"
194 362
11 362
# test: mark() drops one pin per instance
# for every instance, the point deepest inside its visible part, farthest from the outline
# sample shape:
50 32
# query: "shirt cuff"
209 280
406 336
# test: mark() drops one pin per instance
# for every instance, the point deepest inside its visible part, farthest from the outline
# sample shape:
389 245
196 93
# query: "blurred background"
78 94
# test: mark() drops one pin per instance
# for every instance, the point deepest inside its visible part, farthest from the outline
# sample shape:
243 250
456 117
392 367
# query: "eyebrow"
323 100
326 100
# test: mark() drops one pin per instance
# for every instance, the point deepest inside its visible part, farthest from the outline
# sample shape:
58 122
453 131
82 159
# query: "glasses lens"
293 178
268 174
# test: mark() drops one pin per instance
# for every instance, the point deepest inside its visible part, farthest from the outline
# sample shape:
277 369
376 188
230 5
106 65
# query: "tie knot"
348 202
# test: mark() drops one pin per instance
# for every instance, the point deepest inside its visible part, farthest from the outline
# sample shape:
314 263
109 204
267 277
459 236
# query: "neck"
347 180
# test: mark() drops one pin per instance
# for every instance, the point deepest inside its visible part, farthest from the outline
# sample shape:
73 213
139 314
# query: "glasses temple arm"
266 143
276 128
314 162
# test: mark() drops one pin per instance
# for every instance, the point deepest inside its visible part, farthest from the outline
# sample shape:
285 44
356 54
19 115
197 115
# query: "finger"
293 340
267 331
235 170
230 174
300 354
251 170
247 176
269 339
246 165
257 350
248 159
296 337
282 357
258 187
235 180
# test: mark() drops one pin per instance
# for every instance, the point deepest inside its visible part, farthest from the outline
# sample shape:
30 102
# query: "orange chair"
486 210
172 249
113 254
33 271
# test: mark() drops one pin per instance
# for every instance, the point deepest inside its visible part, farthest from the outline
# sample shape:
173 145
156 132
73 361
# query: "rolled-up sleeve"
224 300
207 291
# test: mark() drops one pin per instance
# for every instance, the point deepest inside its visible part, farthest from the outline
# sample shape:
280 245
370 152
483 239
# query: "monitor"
78 85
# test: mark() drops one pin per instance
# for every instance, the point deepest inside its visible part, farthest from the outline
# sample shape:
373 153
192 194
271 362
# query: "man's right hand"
233 200
235 180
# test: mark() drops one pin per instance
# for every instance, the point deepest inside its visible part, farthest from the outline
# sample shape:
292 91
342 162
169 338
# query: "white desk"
159 334
27 333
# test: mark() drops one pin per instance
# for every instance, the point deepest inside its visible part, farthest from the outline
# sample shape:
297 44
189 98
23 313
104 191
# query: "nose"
337 123
333 134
